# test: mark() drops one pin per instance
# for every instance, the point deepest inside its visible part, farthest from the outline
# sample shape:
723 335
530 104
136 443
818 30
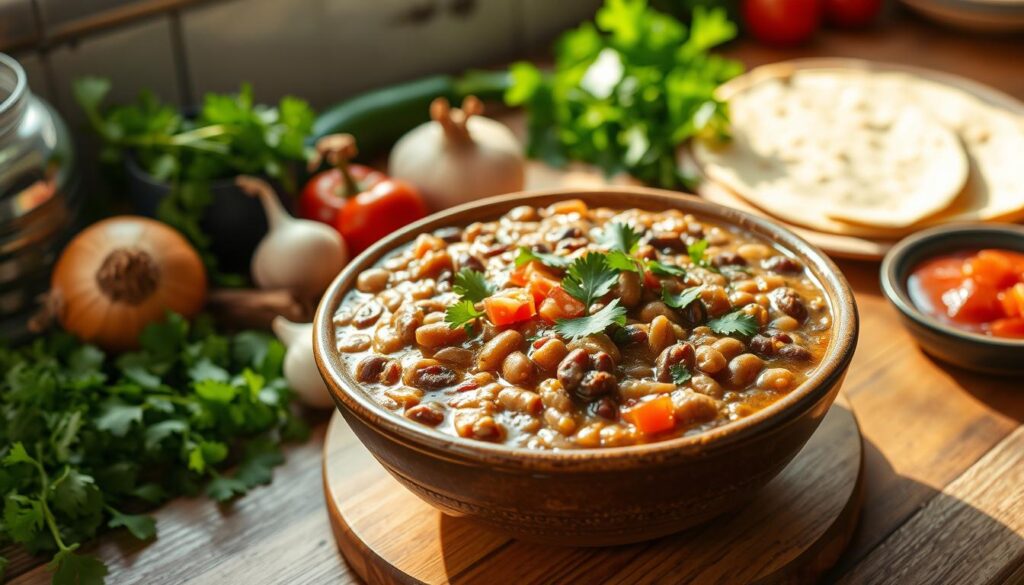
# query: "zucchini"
380 117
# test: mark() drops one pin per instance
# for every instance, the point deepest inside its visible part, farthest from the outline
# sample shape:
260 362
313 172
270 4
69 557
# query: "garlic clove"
299 364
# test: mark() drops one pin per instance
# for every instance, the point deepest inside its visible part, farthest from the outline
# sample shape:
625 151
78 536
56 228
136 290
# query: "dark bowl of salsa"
960 291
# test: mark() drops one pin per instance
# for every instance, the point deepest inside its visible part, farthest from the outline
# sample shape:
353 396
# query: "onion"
122 274
299 365
460 156
298 255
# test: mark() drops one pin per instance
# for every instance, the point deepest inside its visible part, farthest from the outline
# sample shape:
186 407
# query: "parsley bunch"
229 136
87 441
627 90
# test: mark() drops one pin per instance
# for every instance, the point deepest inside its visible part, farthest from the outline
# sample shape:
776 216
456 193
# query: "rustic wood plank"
796 527
970 533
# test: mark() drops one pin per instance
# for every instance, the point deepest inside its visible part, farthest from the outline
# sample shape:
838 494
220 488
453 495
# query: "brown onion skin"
121 274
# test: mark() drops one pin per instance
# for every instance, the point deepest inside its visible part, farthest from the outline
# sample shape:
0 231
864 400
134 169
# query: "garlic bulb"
299 255
299 365
458 157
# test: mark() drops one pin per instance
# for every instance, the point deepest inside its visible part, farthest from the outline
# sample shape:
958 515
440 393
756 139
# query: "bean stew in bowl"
561 339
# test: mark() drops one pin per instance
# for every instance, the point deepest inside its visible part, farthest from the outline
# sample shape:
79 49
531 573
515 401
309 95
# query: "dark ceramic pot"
235 222
973 351
602 496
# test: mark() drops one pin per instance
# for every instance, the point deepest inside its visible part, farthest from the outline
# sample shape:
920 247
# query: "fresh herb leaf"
611 314
550 260
661 269
734 322
621 237
71 569
141 526
627 89
472 285
680 374
696 252
681 300
462 314
589 278
622 262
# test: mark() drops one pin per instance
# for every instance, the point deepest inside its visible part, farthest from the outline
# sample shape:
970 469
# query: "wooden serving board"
793 531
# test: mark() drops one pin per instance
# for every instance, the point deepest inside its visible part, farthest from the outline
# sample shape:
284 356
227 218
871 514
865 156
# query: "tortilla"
829 147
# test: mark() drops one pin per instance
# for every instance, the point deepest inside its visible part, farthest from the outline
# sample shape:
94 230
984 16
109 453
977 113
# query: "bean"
602 362
549 354
656 308
667 241
372 368
710 360
367 314
596 383
432 264
518 369
426 243
522 213
635 389
729 347
743 369
430 414
747 286
740 298
449 234
716 236
769 282
344 315
647 252
783 264
631 334
520 400
596 343
589 436
406 321
789 302
629 289
481 397
405 396
692 407
678 354
695 314
390 298
754 252
660 335
715 299
435 335
456 356
568 206
553 395
571 369
615 435
707 385
785 323
762 345
431 375
607 409
373 280
759 313
728 259
353 343
467 260
492 354
777 379
795 353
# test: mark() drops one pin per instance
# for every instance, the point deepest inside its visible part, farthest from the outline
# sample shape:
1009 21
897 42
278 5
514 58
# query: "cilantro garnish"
550 260
681 300
472 285
589 278
611 314
623 262
461 314
680 374
621 237
696 252
734 322
661 269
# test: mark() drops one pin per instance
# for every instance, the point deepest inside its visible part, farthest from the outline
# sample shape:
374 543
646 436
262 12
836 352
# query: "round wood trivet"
793 531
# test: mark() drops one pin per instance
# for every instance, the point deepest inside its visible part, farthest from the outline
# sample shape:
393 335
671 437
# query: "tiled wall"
322 50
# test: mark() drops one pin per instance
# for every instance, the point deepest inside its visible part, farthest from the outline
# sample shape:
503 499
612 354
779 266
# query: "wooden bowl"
972 351
592 497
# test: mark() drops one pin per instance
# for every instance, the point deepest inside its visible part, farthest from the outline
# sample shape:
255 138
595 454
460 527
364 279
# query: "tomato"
992 268
561 305
362 204
781 22
1012 300
324 195
1012 327
510 306
653 416
851 13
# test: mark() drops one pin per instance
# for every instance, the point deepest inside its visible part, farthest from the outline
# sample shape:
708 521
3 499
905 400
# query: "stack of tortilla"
867 153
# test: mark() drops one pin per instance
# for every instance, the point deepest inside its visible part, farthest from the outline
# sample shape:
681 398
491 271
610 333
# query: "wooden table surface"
944 448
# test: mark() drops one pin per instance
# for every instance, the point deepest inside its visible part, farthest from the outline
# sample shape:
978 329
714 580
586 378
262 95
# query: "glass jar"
39 196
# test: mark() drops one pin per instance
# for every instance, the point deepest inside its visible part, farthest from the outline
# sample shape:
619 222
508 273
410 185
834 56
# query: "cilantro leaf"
661 269
141 526
550 260
71 569
223 488
461 314
18 454
611 314
472 285
118 417
680 374
621 237
681 300
75 493
734 322
589 278
696 252
623 262
23 517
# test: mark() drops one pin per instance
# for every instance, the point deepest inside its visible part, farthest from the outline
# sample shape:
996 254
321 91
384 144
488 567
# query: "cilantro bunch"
87 440
229 136
627 90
